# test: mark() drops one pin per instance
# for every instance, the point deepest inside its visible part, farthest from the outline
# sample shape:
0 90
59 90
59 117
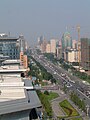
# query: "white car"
63 75
69 85
54 72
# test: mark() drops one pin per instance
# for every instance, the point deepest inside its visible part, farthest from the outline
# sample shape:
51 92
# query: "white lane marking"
82 93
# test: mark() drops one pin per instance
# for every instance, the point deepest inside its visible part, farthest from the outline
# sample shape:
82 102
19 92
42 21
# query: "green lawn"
68 108
52 96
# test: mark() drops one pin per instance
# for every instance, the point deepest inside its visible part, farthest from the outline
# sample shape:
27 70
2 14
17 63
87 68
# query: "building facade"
24 60
66 41
71 55
22 43
85 53
58 52
53 45
48 48
9 47
74 44
43 46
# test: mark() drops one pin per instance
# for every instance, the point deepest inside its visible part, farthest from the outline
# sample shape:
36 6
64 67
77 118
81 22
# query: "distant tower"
9 33
78 30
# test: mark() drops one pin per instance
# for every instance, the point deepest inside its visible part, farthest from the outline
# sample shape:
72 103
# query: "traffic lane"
60 70
80 95
49 68
56 68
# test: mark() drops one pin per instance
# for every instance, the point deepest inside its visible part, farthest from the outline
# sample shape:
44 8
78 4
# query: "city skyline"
50 18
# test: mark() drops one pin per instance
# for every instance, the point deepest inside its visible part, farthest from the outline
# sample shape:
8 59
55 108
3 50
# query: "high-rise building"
60 44
71 55
48 48
40 40
66 41
9 46
43 46
74 44
85 53
59 52
53 45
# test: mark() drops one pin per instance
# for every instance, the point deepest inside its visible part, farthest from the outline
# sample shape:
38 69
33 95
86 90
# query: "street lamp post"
87 111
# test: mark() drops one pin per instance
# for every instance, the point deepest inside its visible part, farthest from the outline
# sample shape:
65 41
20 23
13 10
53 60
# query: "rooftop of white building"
12 68
11 88
11 61
14 95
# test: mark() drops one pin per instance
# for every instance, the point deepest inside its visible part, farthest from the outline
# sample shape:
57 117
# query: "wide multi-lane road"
64 78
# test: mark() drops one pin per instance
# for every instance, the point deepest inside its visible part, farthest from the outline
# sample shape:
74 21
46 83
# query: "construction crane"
79 45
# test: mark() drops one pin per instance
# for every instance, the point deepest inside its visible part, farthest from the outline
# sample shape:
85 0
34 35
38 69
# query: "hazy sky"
34 18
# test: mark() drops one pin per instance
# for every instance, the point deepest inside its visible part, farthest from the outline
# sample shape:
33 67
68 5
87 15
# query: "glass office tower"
66 41
9 46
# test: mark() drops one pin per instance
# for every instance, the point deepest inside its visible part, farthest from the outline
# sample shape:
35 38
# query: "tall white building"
71 55
53 45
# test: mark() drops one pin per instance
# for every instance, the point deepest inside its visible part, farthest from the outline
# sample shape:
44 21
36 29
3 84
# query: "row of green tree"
40 72
79 102
45 102
51 57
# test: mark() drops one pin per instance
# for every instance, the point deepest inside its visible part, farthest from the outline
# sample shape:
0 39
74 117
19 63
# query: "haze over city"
44 60
34 18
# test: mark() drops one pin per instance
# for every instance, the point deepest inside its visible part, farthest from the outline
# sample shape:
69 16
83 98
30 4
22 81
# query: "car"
72 81
69 85
54 72
63 75
64 82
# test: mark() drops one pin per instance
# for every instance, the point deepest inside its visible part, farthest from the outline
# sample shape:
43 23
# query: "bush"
46 92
